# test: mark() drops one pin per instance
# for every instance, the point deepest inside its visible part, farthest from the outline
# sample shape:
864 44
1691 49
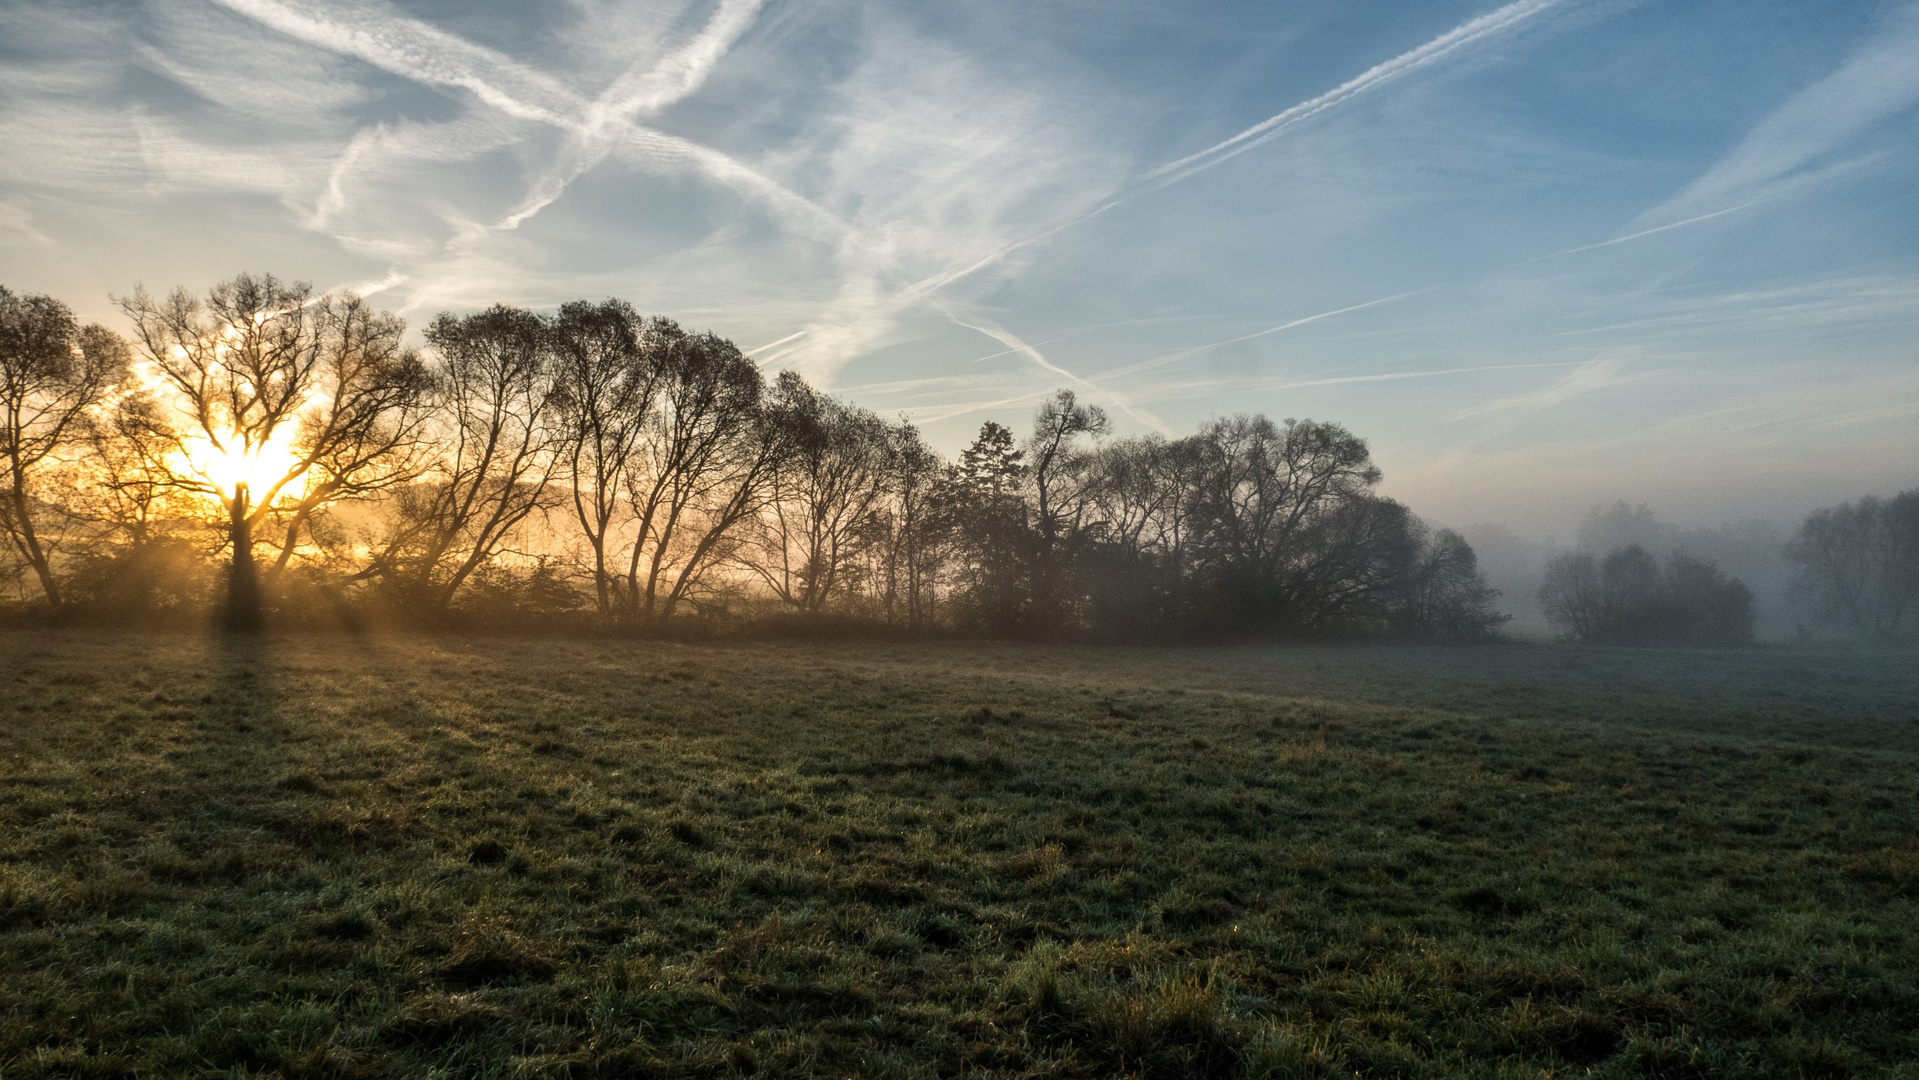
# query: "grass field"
332 856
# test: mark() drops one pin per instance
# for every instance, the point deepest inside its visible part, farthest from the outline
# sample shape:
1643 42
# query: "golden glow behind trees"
277 402
263 416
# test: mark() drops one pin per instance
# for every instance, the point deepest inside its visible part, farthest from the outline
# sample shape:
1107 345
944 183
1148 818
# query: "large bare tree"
1061 489
501 444
276 403
607 371
705 470
53 373
1262 495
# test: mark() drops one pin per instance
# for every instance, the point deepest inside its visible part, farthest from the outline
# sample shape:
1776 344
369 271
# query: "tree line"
268 452
1857 577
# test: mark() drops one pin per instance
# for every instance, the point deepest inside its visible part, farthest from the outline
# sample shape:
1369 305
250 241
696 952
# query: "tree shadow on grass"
232 764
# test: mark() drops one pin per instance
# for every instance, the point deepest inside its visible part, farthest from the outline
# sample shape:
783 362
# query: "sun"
227 467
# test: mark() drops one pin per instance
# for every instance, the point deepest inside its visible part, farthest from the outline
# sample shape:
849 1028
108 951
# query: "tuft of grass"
327 856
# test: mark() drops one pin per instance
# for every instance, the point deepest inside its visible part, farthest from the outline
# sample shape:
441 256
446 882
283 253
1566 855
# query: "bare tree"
1061 489
53 373
910 529
498 426
705 469
274 402
607 373
1624 598
1571 595
825 493
371 435
1859 565
1259 489
1444 594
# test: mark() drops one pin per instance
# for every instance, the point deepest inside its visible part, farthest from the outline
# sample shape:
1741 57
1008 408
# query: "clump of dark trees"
1858 576
1859 567
590 467
1627 598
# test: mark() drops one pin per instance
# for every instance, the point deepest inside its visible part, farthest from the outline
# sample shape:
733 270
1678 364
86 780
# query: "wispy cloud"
1188 353
1014 344
1607 369
645 89
17 221
1462 38
424 53
1876 83
828 181
1641 234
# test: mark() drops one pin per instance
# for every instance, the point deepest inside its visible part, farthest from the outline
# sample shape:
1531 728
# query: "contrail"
776 344
1395 376
1184 353
1014 344
424 53
1635 236
1466 34
638 92
393 277
1460 37
680 73
947 412
1169 358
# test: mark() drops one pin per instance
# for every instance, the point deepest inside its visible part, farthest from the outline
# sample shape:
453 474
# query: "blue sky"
1541 255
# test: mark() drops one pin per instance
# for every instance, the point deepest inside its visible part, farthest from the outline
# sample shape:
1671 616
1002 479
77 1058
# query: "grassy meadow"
340 856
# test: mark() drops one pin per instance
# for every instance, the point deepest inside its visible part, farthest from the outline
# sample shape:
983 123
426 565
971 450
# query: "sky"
1541 256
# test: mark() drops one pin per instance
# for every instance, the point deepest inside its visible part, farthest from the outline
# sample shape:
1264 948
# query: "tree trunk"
29 545
243 576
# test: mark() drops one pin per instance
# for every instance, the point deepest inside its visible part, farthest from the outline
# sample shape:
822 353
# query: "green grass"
328 856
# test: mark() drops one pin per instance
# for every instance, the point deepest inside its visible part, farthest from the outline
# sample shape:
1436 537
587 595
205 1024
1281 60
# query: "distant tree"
1625 598
1571 596
276 403
993 544
1623 525
1700 604
53 374
1062 491
1859 565
1443 594
910 529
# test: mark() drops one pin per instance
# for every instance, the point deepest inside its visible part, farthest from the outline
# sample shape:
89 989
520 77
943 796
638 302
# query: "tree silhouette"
52 373
281 403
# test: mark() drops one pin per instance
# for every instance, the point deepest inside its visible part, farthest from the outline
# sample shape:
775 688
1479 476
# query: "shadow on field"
224 768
